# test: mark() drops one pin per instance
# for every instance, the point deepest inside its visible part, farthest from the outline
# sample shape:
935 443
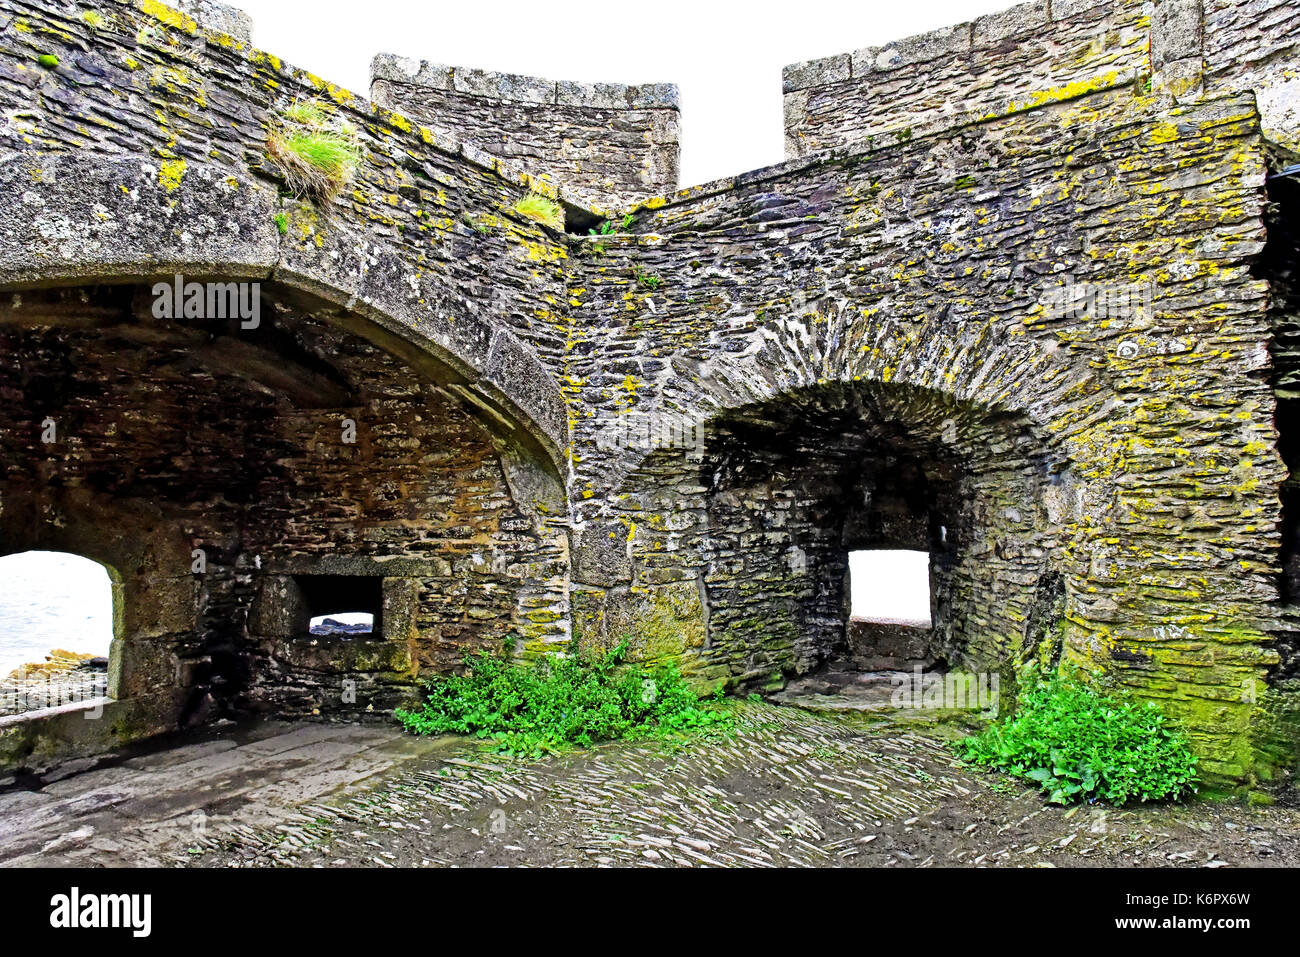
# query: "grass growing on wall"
1078 744
540 209
316 157
565 701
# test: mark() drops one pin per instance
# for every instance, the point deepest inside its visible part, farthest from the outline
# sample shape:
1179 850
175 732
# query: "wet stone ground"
787 787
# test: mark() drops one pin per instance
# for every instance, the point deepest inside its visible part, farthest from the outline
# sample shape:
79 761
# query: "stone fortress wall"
141 154
1021 297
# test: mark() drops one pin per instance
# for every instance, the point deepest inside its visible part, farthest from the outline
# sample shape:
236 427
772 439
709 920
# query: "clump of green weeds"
316 155
578 699
1077 744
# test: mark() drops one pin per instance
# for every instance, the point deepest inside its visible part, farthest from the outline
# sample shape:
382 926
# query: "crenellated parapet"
1255 45
1043 52
1028 55
613 144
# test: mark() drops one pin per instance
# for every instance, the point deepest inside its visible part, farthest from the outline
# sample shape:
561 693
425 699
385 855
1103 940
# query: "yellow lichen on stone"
170 174
171 17
1164 133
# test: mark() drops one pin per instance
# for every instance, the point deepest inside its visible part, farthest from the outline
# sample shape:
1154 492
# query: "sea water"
52 600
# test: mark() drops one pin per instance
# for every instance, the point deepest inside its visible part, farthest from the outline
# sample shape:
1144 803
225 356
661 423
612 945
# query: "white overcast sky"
725 57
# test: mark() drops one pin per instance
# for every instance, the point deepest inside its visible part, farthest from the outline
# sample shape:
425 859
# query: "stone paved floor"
788 787
149 808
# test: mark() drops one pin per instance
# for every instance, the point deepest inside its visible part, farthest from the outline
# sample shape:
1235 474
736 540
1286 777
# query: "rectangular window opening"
343 605
890 587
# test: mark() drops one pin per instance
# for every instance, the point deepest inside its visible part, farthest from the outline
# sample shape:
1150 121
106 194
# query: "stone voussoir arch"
644 556
994 370
75 218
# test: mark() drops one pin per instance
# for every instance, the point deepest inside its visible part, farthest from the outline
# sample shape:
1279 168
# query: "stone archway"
217 226
787 489
727 547
221 469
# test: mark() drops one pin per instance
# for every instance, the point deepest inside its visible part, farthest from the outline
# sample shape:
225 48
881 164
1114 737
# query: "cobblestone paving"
786 788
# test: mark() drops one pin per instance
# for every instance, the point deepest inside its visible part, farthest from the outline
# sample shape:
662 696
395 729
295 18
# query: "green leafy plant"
281 221
578 699
1080 744
48 60
608 227
316 157
648 280
541 209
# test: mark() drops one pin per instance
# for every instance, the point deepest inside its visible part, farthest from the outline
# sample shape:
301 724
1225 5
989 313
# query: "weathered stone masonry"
615 144
675 434
141 156
841 320
238 452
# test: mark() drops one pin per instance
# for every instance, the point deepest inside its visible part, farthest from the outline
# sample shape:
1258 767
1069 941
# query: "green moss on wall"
1275 732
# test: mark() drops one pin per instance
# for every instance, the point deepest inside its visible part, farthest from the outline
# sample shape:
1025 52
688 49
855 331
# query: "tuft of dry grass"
306 113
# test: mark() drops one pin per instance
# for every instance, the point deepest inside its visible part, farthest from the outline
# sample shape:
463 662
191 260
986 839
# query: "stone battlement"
611 142
1048 51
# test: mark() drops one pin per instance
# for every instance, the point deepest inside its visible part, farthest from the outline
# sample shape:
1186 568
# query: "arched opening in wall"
798 487
208 456
57 611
